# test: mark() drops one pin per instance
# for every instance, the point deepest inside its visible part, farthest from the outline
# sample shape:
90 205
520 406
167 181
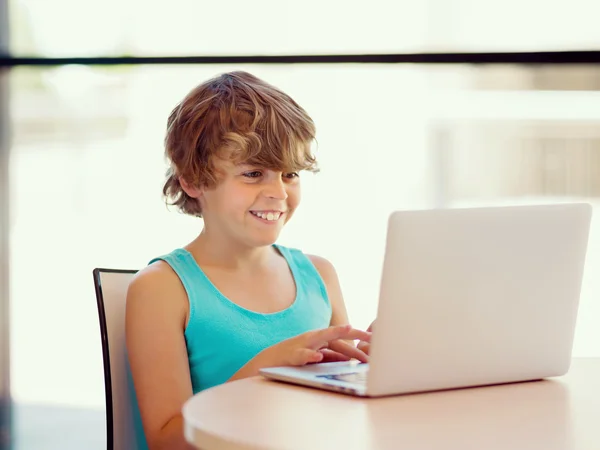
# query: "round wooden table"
561 413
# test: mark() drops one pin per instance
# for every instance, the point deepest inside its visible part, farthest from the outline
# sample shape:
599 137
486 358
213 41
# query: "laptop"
468 297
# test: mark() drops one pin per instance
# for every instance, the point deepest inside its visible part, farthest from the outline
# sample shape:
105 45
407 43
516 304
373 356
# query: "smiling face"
249 204
237 117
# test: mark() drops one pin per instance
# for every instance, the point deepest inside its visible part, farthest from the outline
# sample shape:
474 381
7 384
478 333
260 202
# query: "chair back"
111 293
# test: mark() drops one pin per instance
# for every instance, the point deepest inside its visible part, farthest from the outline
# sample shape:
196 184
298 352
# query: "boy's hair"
234 116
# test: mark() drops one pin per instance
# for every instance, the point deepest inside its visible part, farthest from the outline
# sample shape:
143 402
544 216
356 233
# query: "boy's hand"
365 346
324 345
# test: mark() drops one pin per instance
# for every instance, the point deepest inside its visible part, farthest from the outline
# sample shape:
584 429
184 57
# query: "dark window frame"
5 401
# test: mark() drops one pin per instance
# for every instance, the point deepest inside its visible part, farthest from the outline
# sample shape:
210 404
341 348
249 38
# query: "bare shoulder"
157 287
334 291
324 267
155 277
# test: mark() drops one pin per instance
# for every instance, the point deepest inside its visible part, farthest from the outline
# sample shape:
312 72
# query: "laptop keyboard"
350 377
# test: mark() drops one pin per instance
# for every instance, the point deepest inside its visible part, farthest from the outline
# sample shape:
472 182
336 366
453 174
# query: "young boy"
232 301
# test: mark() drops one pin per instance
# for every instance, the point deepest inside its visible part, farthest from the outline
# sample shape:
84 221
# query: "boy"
232 301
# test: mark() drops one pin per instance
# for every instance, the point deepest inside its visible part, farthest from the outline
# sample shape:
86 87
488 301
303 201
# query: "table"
255 413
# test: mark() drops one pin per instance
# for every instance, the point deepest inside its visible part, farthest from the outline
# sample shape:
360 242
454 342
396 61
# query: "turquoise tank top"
222 336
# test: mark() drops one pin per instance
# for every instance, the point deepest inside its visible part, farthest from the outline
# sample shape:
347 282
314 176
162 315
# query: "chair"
121 409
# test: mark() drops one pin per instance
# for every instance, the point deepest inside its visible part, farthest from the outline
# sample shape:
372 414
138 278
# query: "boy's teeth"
268 216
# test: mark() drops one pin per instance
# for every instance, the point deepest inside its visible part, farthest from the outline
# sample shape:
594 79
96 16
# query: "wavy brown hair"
234 116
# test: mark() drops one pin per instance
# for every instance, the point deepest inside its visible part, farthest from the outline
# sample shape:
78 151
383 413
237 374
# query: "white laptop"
468 297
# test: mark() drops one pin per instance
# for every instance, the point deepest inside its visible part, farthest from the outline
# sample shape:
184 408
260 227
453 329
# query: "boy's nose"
276 189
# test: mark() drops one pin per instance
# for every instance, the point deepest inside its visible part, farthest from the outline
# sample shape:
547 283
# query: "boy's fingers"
337 332
331 356
371 326
364 346
355 334
320 337
349 350
304 356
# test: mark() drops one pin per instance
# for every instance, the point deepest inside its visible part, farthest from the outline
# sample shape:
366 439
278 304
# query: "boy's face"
250 204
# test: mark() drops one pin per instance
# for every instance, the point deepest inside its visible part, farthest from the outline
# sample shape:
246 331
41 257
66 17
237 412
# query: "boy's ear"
190 190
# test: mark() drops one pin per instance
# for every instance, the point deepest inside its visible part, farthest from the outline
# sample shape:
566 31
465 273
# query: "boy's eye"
253 174
291 175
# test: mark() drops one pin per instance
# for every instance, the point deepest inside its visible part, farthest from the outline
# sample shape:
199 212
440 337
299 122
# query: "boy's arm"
155 321
339 314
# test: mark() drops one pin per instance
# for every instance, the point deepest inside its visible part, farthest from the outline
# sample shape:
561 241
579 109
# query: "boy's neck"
227 254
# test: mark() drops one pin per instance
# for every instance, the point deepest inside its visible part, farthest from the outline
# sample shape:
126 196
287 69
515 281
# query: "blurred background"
82 147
